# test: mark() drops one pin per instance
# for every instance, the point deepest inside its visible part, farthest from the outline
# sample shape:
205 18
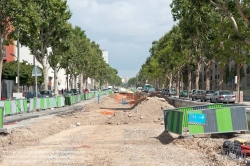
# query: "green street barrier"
219 118
7 107
1 117
60 101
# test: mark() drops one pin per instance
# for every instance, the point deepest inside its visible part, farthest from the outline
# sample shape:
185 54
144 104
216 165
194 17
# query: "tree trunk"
166 84
45 73
181 84
55 81
197 77
238 82
1 70
70 81
221 81
81 83
189 80
75 82
86 79
178 83
170 81
208 74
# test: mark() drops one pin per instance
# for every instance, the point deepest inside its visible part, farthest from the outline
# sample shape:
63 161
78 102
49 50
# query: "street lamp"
18 69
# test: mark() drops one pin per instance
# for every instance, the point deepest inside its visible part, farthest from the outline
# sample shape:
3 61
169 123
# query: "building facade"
228 84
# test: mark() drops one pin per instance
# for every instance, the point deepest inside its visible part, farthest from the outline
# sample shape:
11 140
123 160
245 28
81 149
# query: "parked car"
52 92
67 93
164 91
197 94
75 91
46 93
93 90
116 90
86 90
224 96
191 93
171 91
151 90
206 96
29 95
183 93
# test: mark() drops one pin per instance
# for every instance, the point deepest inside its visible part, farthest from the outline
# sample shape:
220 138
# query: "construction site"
120 129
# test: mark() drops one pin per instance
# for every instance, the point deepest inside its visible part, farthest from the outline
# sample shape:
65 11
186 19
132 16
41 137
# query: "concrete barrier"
176 102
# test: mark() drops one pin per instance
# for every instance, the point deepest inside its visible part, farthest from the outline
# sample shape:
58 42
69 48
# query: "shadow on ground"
165 138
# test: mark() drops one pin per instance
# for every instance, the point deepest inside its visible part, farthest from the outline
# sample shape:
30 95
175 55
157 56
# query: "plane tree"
58 49
41 26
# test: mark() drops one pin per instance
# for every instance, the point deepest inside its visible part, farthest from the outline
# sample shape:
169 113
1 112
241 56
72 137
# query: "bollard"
99 97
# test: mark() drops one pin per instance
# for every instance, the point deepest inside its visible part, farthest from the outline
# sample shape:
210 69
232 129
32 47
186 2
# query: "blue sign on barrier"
198 119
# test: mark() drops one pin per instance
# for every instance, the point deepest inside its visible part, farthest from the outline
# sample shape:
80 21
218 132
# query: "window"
215 76
248 81
247 69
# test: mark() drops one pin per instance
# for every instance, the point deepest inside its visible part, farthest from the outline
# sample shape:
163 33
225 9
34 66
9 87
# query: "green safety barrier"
219 119
60 101
1 117
7 107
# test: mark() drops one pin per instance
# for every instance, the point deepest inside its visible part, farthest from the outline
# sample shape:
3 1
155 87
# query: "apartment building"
228 84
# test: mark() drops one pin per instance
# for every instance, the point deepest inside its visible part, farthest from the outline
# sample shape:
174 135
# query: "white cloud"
125 28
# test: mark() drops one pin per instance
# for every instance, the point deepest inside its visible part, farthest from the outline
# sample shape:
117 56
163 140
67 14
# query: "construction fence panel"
60 101
23 105
1 117
13 106
221 120
51 102
174 121
7 107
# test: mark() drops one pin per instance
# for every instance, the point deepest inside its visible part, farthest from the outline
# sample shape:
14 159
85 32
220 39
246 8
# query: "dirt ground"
108 134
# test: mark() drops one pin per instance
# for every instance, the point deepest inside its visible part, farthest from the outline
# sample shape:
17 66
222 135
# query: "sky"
124 28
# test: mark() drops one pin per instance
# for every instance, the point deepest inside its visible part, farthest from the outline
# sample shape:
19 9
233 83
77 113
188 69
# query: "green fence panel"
32 104
185 111
25 105
7 107
13 107
42 103
224 119
53 102
60 101
68 100
1 117
215 106
193 128
18 106
175 121
82 97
